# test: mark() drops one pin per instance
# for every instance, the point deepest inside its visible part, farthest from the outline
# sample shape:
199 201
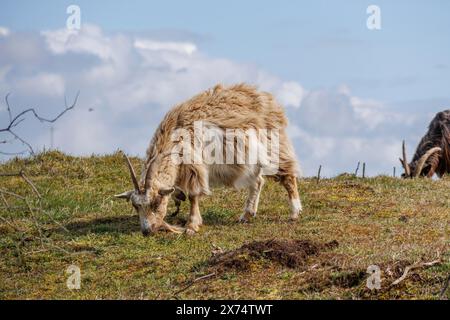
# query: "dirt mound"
289 253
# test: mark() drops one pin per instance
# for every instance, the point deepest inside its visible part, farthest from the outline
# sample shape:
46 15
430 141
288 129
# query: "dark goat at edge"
433 152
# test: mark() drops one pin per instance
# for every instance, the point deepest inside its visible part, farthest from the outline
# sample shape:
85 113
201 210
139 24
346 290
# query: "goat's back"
240 106
236 107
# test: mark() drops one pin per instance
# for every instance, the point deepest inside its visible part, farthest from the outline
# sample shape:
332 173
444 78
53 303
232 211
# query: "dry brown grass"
380 221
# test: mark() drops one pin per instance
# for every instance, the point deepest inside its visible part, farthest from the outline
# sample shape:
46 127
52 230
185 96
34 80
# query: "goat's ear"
125 195
166 192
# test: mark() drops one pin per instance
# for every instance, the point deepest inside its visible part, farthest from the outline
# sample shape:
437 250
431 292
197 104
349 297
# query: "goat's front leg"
251 205
195 219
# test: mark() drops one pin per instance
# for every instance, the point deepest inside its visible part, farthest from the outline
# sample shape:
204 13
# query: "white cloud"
127 83
47 84
291 94
88 39
339 154
180 47
4 32
4 71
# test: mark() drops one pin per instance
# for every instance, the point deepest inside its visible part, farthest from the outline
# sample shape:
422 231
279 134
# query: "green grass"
382 221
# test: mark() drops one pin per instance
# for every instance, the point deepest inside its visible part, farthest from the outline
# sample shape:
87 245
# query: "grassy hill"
391 223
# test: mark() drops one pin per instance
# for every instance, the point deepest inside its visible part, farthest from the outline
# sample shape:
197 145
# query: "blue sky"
324 46
320 43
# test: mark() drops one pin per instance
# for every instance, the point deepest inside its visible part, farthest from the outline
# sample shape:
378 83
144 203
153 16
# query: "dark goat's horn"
405 162
424 159
132 173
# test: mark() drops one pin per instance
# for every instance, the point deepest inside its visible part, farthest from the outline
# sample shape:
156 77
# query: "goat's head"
150 202
418 167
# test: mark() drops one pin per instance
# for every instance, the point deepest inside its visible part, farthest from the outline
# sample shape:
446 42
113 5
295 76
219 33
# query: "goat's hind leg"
251 205
178 197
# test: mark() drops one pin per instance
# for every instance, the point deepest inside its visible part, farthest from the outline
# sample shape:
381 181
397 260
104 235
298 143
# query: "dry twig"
444 288
195 281
415 266
14 121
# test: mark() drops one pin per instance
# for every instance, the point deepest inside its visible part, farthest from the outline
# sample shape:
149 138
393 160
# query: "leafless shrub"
15 120
31 202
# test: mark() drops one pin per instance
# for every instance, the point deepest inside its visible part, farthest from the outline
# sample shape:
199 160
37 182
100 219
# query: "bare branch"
194 282
14 121
12 194
415 266
24 177
7 107
10 174
5 201
17 118
444 288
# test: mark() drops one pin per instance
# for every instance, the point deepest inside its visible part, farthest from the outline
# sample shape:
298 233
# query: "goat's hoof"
190 232
294 216
246 217
192 229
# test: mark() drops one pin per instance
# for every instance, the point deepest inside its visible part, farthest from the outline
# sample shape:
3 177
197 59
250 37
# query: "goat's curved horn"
147 174
405 162
424 159
132 173
147 177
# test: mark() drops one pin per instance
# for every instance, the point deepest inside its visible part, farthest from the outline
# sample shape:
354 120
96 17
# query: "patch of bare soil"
289 253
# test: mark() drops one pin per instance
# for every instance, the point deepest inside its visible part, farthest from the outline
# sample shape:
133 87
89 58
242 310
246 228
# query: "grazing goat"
433 152
239 107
